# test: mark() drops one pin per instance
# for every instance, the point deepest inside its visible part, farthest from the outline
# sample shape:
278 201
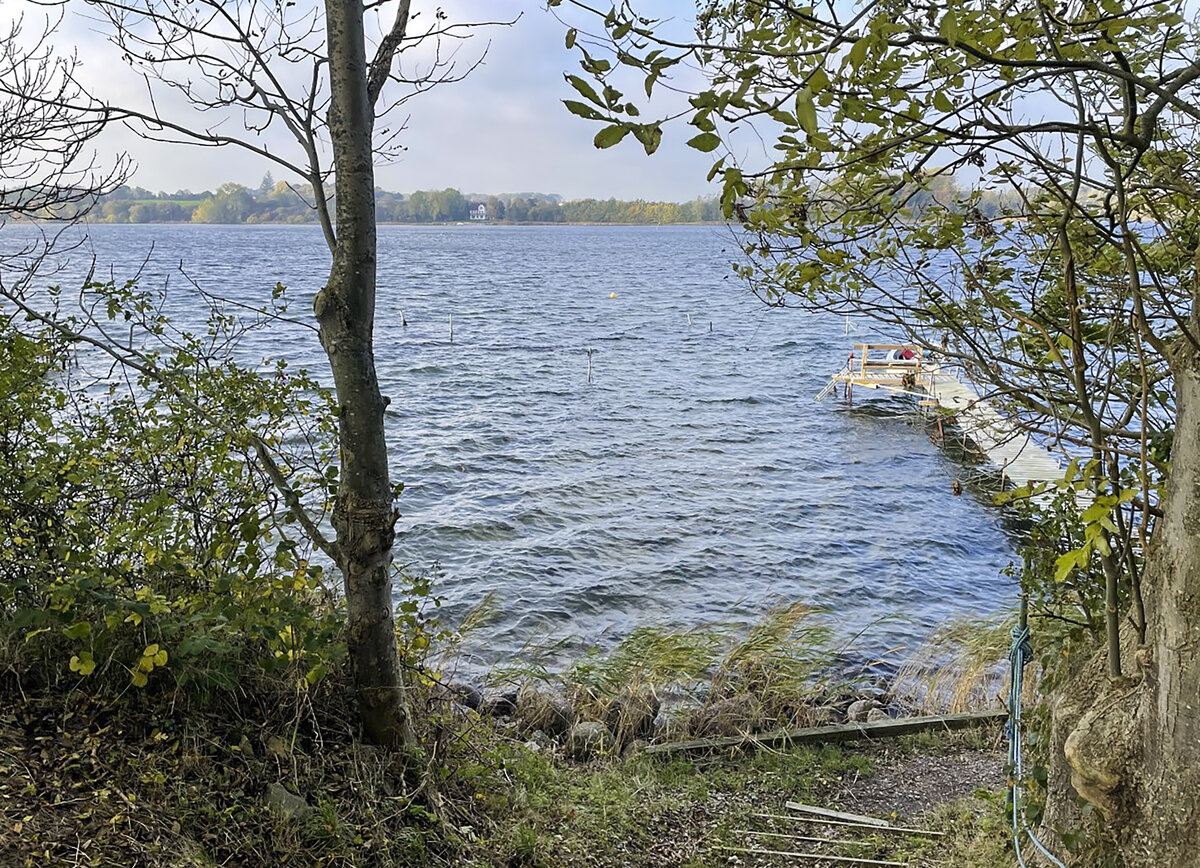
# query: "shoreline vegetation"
531 770
282 203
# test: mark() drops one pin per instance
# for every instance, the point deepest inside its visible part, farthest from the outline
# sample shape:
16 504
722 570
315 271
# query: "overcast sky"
504 129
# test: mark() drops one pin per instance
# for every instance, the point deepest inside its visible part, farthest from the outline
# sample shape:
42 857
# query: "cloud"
503 129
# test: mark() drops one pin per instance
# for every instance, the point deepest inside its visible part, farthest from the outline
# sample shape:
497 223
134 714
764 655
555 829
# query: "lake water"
694 480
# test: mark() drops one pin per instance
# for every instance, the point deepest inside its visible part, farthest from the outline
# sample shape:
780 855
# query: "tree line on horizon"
279 202
273 202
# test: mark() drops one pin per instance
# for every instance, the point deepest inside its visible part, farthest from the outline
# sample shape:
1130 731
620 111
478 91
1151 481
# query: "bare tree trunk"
364 517
1132 745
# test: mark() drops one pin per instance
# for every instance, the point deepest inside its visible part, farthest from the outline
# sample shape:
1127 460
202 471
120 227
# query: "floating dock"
904 369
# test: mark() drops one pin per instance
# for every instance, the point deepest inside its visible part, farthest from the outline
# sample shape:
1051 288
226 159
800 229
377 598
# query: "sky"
502 130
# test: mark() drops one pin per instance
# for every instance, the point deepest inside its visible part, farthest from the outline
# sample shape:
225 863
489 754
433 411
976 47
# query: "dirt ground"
904 785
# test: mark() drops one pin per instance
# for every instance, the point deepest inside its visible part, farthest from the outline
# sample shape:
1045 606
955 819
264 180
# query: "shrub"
145 539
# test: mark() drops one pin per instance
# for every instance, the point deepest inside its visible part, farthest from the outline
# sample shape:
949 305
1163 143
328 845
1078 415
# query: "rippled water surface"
693 480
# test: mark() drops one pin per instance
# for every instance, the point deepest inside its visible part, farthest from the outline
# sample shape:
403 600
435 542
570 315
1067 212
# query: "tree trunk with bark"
364 516
1131 745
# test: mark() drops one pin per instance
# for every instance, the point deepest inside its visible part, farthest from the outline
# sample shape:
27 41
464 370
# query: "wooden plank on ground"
818 857
902 830
809 838
835 733
835 815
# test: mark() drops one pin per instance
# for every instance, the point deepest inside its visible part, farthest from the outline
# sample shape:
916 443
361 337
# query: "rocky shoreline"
582 726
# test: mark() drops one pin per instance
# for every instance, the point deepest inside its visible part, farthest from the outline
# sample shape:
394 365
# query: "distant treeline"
273 202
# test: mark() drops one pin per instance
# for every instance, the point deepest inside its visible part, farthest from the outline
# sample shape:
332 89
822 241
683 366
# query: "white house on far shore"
479 212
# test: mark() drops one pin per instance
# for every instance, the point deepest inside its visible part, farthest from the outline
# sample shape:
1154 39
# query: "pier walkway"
903 369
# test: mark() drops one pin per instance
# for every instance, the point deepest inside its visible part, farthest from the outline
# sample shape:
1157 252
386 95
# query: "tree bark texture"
363 517
1131 745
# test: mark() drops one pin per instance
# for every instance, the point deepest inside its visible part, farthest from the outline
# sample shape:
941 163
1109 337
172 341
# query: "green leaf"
83 663
942 103
705 142
583 110
610 136
1064 565
585 90
78 630
650 135
858 52
806 111
571 34
948 29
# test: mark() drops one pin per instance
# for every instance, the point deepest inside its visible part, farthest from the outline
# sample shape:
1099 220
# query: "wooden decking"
903 369
1019 460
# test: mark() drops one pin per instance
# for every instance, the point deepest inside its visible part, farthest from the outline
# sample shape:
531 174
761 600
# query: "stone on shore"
734 716
498 701
542 707
632 713
858 711
590 739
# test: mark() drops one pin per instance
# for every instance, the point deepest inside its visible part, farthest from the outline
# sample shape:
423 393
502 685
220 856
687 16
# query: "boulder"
673 722
822 715
542 707
284 803
734 716
590 739
539 741
858 711
632 713
468 695
498 701
634 748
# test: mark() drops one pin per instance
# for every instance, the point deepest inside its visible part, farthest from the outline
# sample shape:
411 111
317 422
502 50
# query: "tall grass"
961 667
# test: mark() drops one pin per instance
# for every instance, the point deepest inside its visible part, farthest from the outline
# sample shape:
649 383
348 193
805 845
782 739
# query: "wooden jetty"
904 369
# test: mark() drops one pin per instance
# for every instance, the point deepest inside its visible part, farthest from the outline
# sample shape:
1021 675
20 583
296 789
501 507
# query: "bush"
146 541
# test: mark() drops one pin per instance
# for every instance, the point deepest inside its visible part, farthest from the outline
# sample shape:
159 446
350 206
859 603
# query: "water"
694 480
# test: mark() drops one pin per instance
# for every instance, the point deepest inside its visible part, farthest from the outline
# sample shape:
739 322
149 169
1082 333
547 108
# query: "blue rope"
1019 654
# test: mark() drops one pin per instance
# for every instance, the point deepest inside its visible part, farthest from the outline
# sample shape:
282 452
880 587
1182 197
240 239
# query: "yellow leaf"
160 659
83 663
139 679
